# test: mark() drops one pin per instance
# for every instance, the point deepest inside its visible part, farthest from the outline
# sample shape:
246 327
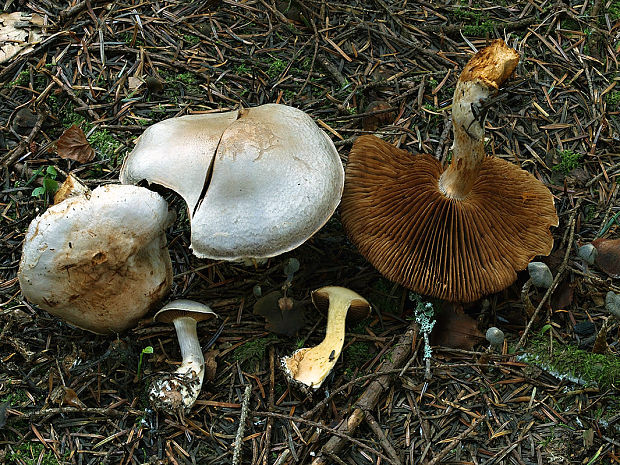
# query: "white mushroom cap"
274 180
99 259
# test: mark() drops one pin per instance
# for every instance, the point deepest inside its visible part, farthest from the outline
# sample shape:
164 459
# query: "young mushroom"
540 277
457 233
258 182
179 390
310 366
98 259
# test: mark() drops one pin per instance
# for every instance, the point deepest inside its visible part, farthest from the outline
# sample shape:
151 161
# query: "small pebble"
588 253
495 336
540 274
612 304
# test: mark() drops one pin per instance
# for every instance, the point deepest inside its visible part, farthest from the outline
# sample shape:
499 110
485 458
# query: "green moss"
567 360
569 160
481 29
275 68
105 143
614 10
252 352
33 453
16 397
613 98
357 354
191 39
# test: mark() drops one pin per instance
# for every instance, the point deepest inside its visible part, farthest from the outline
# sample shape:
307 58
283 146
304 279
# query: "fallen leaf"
134 82
63 395
455 329
373 122
283 315
73 145
563 294
19 32
608 256
211 364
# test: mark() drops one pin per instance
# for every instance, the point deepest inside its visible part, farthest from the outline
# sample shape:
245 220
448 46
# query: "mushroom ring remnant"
310 366
258 182
176 391
98 259
457 233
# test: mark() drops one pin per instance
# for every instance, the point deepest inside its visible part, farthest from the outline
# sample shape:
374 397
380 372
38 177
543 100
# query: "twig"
18 151
241 428
446 450
374 426
557 278
343 436
370 397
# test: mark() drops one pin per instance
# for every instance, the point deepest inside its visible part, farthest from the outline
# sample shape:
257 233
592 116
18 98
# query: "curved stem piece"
480 78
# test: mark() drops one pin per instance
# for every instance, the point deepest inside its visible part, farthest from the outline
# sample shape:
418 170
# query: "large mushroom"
456 233
98 259
310 366
258 182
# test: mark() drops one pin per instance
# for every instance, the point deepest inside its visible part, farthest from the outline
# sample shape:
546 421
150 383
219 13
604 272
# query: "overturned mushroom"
258 182
98 259
310 366
179 390
456 233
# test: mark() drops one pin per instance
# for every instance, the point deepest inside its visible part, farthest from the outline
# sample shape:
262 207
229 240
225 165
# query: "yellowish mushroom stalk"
310 366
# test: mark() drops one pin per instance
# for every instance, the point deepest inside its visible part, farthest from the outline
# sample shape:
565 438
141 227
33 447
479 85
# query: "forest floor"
112 69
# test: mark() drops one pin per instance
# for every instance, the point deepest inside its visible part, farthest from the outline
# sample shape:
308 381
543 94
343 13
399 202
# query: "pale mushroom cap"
183 308
276 178
177 153
98 260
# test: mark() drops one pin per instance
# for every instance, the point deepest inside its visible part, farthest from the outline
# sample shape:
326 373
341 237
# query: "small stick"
557 278
446 450
376 428
23 145
241 429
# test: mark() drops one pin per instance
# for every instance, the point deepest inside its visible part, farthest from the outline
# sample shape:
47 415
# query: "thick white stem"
193 360
181 388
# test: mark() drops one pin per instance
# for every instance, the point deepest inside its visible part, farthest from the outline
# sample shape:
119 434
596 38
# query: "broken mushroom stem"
481 78
179 390
310 366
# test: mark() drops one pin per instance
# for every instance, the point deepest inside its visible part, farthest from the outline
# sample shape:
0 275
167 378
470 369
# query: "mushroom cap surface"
453 249
184 308
258 182
359 308
99 259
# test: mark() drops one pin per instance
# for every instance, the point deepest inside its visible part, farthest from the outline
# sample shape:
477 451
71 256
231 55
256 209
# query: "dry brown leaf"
283 315
73 145
608 256
455 329
211 364
19 33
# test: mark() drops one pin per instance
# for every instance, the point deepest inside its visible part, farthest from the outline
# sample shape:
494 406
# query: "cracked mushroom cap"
258 182
98 259
453 247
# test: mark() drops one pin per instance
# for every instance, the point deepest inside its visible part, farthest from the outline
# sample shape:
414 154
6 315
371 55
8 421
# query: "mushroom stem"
311 366
193 360
481 78
181 388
